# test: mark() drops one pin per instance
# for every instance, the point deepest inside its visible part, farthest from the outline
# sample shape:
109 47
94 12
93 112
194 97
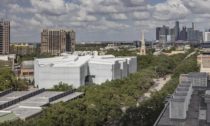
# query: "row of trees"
106 104
148 111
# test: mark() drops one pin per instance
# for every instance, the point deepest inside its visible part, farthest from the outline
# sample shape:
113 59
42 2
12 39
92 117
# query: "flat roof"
197 74
68 97
194 117
64 61
40 99
27 64
14 95
33 105
25 112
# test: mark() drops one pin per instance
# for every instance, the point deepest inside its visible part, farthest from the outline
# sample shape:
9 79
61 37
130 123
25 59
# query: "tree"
62 87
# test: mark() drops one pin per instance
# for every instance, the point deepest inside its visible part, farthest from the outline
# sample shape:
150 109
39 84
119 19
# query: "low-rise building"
80 70
67 69
27 70
23 105
204 62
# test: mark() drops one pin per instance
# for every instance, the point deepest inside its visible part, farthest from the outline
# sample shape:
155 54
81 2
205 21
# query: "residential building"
57 41
24 48
4 37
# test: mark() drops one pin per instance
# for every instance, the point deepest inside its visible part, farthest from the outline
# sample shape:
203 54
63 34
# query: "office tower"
143 47
158 33
164 32
4 37
183 34
57 41
194 35
172 33
177 30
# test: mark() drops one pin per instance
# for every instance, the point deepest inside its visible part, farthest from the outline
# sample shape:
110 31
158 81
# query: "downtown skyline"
101 20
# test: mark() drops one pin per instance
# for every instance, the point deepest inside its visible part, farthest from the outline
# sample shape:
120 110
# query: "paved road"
159 84
189 55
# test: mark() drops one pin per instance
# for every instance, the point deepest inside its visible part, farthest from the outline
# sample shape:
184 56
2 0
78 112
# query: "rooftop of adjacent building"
76 61
62 61
196 114
196 74
33 104
27 64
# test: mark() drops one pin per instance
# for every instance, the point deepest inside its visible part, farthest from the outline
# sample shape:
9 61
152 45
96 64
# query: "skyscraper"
57 41
177 30
193 35
183 34
158 33
4 37
172 34
164 31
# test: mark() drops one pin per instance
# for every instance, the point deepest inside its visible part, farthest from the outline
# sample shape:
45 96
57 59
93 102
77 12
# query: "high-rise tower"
56 41
4 37
177 30
143 47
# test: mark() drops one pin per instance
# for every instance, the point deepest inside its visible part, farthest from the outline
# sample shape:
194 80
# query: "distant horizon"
97 41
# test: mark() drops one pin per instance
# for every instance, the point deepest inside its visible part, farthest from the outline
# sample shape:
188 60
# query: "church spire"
143 47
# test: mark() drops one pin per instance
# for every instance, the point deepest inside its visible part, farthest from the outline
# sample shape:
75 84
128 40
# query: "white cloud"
119 16
170 10
101 15
141 15
83 16
54 7
198 6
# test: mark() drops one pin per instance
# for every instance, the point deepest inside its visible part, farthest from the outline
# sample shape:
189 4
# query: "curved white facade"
51 72
79 70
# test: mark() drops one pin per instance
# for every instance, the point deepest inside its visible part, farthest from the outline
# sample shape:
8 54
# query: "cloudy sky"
101 19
